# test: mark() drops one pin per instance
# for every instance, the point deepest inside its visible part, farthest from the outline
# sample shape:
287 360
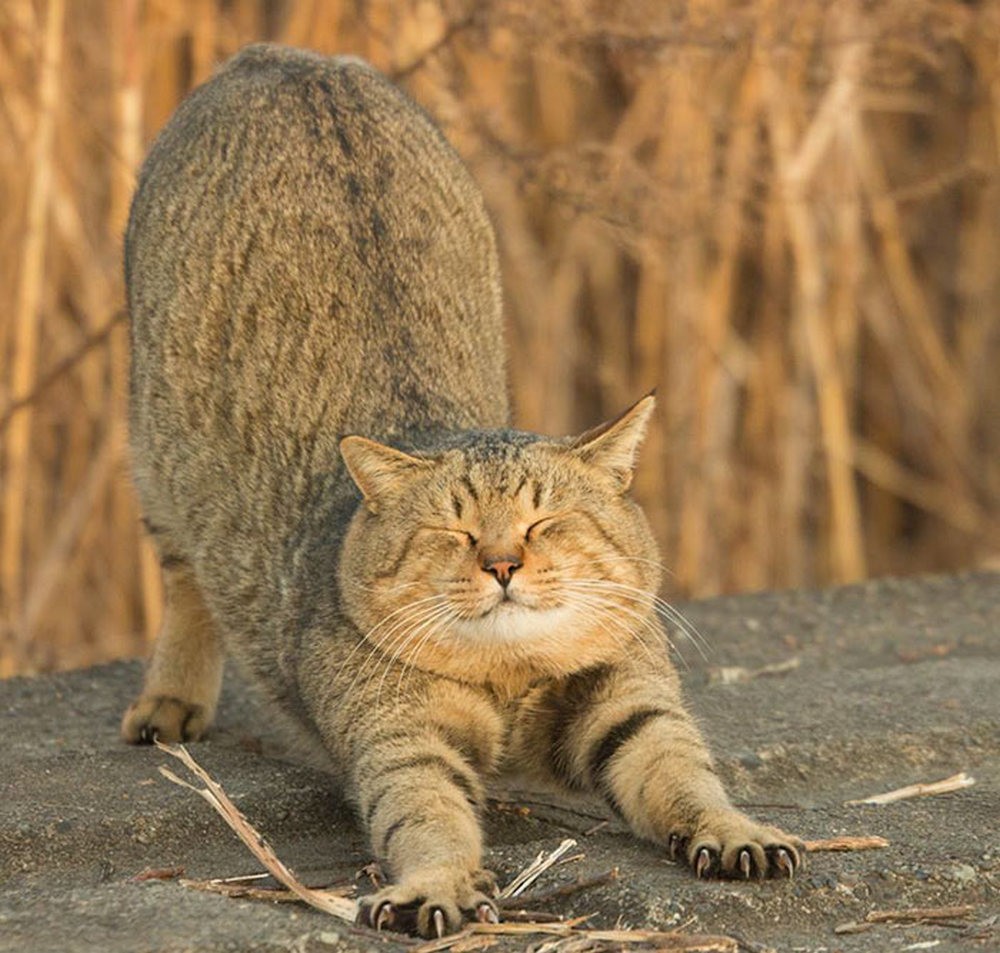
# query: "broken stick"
955 783
325 900
846 842
920 914
734 674
535 869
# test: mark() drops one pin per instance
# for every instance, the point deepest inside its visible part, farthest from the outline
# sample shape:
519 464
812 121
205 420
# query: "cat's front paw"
432 902
730 844
163 718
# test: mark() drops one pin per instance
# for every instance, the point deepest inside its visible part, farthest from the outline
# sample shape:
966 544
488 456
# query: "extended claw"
673 842
746 864
384 916
703 863
486 914
439 924
785 862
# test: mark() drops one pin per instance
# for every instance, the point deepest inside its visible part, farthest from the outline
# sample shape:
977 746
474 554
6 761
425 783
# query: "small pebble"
963 873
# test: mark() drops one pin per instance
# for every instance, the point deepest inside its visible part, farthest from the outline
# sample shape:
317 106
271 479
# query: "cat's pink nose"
502 567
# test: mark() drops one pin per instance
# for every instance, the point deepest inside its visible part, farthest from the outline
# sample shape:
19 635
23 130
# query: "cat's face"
508 551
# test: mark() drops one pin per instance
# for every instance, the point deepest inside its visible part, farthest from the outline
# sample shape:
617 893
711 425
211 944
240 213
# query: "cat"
321 441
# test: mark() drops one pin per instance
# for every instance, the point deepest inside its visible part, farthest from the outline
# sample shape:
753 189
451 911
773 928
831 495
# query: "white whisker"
405 616
612 611
427 624
660 606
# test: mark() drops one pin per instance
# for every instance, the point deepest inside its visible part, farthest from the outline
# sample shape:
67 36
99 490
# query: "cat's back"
307 256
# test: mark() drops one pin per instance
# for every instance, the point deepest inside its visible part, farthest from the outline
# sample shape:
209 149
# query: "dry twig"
672 940
535 869
325 900
733 674
238 887
847 842
920 914
560 893
158 873
932 915
955 783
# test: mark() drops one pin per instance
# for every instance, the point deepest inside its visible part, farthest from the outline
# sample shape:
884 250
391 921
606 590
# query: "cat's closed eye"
547 523
537 528
462 535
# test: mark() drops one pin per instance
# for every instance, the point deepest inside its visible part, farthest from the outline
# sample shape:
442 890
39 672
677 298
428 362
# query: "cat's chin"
513 623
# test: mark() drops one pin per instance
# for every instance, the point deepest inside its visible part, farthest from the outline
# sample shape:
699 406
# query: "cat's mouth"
505 603
510 600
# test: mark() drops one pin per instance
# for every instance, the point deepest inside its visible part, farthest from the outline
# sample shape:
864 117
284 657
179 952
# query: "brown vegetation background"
784 216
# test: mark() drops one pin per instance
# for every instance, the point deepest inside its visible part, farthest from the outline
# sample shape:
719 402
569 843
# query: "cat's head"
506 553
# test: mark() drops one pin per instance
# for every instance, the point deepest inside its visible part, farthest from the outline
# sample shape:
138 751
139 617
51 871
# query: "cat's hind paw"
163 718
730 844
432 904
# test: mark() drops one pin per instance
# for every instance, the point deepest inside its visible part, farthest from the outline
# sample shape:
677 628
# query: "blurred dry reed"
785 217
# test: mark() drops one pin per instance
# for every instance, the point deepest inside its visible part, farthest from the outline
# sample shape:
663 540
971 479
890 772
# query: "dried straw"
785 218
27 319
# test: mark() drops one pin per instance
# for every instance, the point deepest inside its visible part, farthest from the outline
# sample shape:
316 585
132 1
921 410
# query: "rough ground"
897 683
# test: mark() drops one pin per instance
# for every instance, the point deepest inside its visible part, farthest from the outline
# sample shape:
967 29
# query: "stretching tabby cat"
307 259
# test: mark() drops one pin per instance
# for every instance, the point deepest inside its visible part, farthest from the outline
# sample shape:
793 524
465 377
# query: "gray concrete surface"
898 682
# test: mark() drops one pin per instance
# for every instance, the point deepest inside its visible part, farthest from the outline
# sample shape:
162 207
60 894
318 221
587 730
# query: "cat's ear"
614 445
378 469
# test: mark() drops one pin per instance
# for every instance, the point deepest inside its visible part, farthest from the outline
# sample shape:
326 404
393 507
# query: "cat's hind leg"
184 676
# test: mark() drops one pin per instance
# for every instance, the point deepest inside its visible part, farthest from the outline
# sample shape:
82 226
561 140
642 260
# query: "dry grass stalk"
27 321
65 366
535 869
852 926
121 511
567 890
847 552
328 901
517 914
53 565
660 940
246 891
462 944
946 786
847 842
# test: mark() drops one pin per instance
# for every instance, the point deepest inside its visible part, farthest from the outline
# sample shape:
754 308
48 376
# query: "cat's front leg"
654 769
417 783
626 735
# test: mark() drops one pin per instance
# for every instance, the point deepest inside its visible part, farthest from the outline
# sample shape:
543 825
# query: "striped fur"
320 434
